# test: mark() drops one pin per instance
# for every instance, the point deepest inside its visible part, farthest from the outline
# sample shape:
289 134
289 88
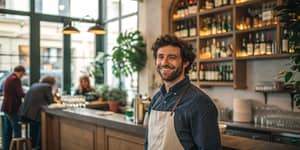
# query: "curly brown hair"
186 50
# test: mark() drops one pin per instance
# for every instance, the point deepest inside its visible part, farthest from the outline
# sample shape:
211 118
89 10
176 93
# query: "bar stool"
19 143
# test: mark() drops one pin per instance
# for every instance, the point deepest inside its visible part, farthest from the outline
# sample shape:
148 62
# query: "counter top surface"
114 120
260 128
118 122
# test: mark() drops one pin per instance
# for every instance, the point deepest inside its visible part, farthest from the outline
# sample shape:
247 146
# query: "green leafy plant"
129 55
102 90
116 94
97 67
289 15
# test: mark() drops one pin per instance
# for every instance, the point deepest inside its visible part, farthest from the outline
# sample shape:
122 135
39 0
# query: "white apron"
161 129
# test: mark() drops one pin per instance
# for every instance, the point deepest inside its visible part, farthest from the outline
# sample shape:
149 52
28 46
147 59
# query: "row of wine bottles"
212 72
217 24
184 9
216 49
258 46
258 17
186 28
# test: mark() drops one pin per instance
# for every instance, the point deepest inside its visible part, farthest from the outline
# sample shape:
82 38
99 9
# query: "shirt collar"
175 87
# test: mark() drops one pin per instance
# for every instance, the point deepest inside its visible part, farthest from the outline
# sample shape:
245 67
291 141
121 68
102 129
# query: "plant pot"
113 106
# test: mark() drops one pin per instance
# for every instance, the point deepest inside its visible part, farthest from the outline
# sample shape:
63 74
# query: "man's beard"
173 75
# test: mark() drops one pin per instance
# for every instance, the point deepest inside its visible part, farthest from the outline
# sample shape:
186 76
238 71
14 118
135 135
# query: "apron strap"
180 98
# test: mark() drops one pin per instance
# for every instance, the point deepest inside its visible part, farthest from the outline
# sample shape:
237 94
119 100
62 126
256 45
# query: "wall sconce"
69 29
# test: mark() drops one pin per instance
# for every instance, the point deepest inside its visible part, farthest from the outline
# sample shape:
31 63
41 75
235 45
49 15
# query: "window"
120 16
20 5
51 51
83 53
14 46
70 8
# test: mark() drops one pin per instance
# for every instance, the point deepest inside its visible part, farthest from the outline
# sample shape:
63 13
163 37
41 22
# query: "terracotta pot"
113 106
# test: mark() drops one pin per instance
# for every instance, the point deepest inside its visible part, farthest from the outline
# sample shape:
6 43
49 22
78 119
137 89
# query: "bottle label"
267 15
201 75
262 48
193 32
249 49
193 9
285 45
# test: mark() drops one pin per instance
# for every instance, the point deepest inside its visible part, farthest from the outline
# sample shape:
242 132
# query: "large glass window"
20 5
120 16
14 46
70 8
83 53
52 50
111 9
129 6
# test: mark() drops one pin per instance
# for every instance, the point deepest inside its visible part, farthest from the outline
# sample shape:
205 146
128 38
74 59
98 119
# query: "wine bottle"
285 41
250 46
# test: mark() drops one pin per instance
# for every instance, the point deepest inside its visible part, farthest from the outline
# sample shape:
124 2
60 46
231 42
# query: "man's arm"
48 95
18 86
204 127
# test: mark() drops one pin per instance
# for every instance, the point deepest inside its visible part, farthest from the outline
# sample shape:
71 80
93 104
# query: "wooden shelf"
250 2
277 56
216 35
185 18
194 38
289 91
256 29
215 60
275 91
239 64
215 83
215 10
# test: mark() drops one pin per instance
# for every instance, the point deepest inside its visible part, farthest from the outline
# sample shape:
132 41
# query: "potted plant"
289 15
115 98
129 55
97 67
102 91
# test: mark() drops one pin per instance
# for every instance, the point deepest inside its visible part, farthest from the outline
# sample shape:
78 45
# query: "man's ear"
185 64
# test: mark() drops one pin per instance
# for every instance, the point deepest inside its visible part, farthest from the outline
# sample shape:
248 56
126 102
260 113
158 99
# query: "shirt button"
174 93
165 102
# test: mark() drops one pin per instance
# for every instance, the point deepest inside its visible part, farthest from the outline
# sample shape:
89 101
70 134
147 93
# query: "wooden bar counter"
86 129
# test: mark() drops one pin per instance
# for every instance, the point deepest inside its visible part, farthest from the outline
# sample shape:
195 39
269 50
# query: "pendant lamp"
69 29
97 29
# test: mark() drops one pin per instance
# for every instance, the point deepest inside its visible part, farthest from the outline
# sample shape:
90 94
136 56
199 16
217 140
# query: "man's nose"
165 61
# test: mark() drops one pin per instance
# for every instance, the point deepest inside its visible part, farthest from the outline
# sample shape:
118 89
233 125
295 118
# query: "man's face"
169 63
20 74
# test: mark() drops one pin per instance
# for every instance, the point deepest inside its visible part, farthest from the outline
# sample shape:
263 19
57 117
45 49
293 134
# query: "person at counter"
181 115
84 86
13 94
38 95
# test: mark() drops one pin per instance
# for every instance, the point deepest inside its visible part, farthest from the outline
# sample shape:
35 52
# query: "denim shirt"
195 117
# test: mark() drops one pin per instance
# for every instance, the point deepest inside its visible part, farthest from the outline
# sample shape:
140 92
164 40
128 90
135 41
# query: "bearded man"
181 116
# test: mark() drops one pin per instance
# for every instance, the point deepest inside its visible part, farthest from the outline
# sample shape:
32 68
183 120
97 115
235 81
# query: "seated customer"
38 95
84 86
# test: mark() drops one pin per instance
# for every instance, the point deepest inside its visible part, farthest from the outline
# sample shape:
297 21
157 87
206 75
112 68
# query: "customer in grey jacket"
38 95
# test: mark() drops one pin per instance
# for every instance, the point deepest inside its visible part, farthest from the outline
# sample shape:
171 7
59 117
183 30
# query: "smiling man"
181 115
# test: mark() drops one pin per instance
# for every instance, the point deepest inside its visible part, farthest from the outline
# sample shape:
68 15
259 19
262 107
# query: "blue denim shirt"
195 117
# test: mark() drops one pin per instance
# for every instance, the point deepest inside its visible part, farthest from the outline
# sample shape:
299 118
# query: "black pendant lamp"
69 29
97 29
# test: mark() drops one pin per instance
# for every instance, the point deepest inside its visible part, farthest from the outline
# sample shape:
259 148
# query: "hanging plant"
129 55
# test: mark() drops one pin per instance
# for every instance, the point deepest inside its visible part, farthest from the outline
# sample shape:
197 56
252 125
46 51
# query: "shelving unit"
239 63
288 91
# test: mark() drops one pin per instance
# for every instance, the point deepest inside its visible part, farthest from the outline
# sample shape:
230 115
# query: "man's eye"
172 57
160 56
